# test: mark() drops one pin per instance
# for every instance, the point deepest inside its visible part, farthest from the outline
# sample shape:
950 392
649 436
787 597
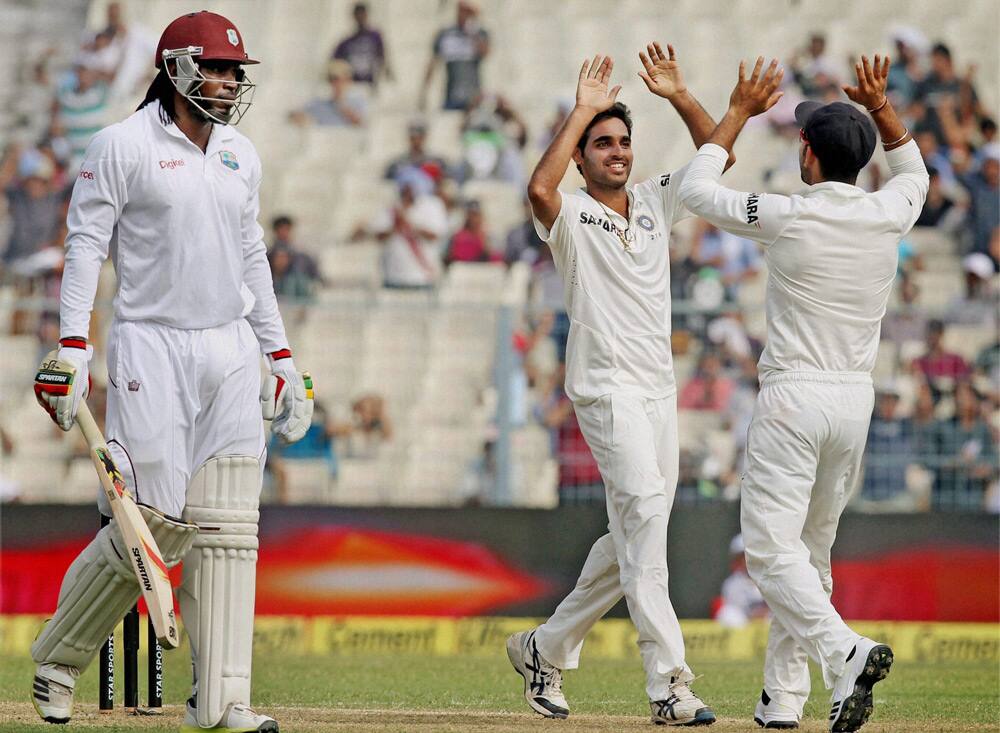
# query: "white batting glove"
287 398
63 381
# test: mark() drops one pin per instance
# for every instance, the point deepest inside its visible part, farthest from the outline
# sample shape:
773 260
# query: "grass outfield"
416 694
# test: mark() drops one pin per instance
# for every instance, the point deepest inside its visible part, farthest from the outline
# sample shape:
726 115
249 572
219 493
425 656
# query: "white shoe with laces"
852 702
681 707
542 681
238 718
52 691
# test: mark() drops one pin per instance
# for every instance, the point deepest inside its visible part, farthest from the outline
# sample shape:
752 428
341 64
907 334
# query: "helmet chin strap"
188 81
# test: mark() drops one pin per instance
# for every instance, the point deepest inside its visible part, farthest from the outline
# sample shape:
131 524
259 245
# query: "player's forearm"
697 120
892 131
728 130
264 318
552 167
81 272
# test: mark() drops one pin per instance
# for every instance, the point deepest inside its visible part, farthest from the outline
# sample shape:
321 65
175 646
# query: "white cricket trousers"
804 452
176 398
634 442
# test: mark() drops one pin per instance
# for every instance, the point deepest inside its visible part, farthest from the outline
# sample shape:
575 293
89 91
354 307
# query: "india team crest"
233 38
229 160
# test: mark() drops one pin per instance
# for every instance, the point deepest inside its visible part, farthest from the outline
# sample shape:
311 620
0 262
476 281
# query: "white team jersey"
831 254
181 228
617 300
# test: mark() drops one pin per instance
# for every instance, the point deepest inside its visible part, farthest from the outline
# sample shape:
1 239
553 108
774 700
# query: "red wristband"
281 354
73 342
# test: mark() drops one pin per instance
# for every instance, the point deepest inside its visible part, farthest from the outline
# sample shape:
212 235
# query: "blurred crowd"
934 432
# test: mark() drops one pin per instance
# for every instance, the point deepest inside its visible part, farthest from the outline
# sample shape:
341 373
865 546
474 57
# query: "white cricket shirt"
831 254
617 300
181 228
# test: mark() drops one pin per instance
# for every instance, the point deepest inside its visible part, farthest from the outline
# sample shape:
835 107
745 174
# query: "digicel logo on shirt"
171 164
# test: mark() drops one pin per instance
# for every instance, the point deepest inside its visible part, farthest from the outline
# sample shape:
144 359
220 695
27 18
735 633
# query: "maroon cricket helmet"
214 34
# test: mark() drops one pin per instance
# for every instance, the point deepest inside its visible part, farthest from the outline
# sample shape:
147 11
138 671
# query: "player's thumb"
614 92
645 77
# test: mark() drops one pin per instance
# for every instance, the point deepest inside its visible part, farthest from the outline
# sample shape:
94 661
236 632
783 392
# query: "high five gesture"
662 73
592 89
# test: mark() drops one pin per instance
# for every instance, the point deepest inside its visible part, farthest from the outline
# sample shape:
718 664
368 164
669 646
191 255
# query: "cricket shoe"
542 681
52 691
772 714
238 718
681 707
852 701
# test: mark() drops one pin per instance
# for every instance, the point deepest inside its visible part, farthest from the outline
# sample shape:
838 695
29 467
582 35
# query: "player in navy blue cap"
831 252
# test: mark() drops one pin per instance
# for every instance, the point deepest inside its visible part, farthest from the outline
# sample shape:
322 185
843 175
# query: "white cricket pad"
100 587
217 593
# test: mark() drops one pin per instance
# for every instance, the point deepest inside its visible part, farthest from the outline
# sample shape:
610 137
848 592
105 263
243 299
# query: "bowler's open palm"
662 73
592 89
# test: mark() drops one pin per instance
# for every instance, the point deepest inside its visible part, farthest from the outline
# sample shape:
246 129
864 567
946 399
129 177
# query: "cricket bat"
147 562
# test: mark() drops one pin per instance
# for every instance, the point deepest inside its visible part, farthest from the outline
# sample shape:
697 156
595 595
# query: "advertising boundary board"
610 638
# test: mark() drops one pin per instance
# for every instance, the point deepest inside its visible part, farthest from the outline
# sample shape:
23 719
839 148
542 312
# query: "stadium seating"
433 356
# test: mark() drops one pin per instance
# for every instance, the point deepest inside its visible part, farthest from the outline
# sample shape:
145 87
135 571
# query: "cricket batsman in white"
172 194
831 252
610 243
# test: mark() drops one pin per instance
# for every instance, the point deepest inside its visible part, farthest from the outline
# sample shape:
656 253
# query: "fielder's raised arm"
663 78
592 98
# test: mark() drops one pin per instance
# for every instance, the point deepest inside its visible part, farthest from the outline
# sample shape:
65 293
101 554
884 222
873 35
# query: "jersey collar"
616 217
845 190
220 133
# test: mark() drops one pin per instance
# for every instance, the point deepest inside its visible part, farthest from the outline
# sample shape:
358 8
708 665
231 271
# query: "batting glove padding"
62 381
287 400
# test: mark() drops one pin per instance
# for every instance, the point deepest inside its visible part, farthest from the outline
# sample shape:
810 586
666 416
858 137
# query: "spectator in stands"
905 72
345 107
923 420
987 365
32 205
967 454
942 82
317 444
461 48
978 305
890 449
364 50
493 136
984 199
936 156
737 260
133 46
471 243
937 363
294 272
939 209
416 166
579 476
101 56
813 69
413 232
82 103
523 243
740 601
709 389
362 431
908 321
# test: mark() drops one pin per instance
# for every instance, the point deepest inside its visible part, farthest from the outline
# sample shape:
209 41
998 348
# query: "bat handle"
85 419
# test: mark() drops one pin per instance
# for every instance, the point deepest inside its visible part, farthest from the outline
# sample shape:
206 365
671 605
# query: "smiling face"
606 159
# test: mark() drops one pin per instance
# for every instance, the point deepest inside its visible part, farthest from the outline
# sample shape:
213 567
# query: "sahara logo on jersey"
229 160
752 218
